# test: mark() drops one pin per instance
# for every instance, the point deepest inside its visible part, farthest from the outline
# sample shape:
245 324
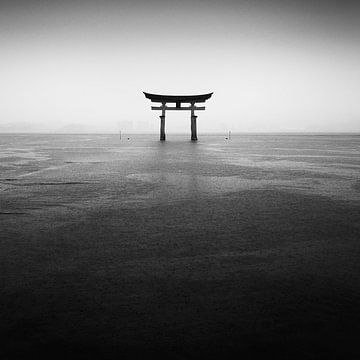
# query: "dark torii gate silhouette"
178 100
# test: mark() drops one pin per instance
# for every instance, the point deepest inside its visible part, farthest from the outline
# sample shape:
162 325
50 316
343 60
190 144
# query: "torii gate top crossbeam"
177 98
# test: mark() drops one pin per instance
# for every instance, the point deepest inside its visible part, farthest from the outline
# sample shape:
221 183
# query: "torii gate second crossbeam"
178 100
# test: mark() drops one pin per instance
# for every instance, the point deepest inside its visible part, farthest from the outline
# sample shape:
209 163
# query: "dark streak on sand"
50 183
12 213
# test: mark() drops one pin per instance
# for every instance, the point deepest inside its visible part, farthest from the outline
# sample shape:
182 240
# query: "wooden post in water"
162 127
162 122
193 128
193 123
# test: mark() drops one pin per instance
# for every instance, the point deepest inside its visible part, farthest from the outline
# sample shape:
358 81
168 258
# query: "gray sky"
273 65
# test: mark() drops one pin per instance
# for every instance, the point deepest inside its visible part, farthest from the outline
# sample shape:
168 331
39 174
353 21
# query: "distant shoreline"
233 133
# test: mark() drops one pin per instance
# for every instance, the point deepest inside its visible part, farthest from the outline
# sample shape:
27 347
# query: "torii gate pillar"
162 122
193 122
193 128
162 127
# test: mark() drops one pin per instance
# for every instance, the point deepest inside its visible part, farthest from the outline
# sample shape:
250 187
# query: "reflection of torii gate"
178 99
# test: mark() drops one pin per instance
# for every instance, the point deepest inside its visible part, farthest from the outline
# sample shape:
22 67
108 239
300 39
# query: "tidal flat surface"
125 249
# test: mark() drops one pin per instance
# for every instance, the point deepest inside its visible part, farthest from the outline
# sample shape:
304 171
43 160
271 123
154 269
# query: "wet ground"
134 248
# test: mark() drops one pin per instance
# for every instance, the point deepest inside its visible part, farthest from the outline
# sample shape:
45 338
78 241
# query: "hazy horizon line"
186 133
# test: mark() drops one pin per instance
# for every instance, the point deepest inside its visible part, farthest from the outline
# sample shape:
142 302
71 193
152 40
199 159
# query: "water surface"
180 249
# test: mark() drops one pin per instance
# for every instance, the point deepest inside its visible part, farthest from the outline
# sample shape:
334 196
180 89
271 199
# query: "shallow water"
143 170
116 248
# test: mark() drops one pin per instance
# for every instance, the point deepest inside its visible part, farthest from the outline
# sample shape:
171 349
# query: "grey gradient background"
273 65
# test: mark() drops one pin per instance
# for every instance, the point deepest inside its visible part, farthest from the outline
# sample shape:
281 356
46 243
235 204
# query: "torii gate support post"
162 127
162 123
193 128
193 123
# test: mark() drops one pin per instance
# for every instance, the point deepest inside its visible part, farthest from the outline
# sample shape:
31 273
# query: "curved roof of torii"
177 98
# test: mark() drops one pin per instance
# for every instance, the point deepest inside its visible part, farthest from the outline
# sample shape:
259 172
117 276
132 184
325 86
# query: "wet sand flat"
125 249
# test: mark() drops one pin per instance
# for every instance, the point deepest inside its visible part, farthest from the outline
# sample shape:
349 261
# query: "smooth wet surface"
183 249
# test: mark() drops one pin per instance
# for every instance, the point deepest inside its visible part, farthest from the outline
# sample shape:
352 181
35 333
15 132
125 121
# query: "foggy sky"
273 65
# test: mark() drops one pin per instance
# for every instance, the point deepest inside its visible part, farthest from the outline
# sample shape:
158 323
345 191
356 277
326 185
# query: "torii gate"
178 99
